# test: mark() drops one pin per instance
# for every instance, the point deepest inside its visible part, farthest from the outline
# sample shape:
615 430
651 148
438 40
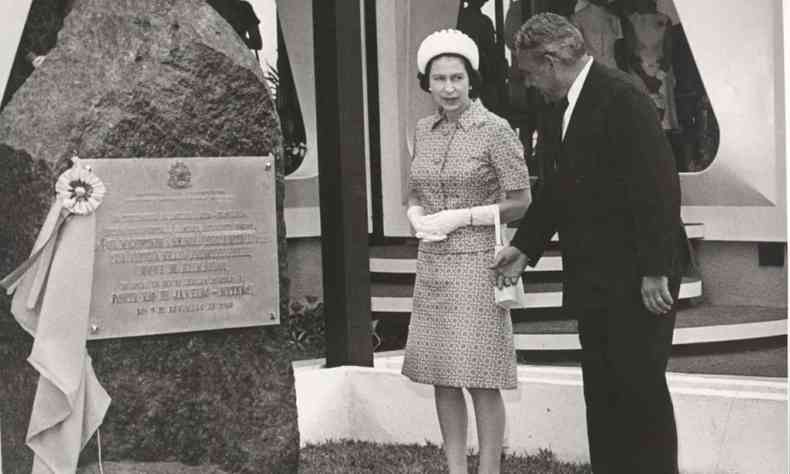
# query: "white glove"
430 237
416 215
445 222
484 215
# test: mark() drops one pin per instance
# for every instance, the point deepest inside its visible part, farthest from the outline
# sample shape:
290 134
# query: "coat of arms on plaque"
179 176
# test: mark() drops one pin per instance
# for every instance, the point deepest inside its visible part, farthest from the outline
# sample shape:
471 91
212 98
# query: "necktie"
550 139
562 106
559 113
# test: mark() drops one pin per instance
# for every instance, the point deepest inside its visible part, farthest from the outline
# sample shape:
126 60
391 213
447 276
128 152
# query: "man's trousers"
630 419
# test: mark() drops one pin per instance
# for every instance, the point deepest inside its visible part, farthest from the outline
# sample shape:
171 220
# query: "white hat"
447 42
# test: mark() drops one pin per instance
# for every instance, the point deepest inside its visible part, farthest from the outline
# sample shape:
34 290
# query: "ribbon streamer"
52 295
43 249
70 403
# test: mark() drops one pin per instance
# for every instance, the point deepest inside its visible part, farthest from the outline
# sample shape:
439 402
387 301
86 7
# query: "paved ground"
757 358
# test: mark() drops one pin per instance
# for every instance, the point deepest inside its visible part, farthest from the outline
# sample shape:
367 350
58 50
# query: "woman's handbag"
509 296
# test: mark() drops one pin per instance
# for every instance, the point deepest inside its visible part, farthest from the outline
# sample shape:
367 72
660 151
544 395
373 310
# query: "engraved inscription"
158 249
180 258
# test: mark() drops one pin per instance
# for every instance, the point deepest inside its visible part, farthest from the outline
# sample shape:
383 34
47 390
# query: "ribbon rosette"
52 296
79 190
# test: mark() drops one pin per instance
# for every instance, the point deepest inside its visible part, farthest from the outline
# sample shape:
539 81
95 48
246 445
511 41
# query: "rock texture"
148 78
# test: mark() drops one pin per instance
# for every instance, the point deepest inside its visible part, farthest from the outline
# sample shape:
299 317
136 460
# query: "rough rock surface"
148 78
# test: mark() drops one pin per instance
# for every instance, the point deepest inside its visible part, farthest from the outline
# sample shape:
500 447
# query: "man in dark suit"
612 194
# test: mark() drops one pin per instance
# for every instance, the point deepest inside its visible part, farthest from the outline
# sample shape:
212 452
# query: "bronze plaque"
184 244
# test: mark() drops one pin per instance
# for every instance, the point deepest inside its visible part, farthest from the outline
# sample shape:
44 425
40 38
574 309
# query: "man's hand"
655 294
509 264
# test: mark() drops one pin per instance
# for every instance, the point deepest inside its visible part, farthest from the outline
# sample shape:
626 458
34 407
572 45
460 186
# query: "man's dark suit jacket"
614 196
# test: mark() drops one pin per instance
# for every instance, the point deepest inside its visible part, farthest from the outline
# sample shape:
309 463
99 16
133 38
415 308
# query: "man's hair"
553 34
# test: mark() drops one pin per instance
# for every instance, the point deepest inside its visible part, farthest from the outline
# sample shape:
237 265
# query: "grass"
358 457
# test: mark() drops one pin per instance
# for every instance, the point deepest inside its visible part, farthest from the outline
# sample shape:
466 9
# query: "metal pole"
342 183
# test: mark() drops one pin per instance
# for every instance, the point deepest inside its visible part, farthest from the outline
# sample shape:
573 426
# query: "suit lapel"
586 107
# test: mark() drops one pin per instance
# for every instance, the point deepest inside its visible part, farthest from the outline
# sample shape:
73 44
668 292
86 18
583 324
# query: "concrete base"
725 424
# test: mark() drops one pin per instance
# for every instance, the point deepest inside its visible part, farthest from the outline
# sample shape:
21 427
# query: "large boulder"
149 78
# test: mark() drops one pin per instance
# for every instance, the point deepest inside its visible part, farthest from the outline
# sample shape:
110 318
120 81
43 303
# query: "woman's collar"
473 114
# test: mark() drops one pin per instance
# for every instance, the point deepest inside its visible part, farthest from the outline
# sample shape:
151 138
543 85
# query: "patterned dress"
458 336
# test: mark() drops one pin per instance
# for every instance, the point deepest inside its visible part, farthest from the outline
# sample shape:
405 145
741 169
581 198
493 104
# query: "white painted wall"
786 79
738 49
725 424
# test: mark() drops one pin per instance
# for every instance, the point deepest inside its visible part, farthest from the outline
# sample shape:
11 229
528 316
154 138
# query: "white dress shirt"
573 94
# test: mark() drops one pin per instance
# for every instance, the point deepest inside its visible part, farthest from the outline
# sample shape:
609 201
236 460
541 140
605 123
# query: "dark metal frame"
342 182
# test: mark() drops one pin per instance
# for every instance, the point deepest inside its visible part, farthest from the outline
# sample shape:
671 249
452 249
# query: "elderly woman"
468 165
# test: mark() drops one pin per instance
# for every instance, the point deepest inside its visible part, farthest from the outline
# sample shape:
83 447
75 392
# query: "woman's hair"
553 34
475 80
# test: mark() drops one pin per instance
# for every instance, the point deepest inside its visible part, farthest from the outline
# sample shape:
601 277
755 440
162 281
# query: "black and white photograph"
394 236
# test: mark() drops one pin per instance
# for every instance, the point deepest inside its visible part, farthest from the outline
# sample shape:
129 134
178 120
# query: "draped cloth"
52 303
